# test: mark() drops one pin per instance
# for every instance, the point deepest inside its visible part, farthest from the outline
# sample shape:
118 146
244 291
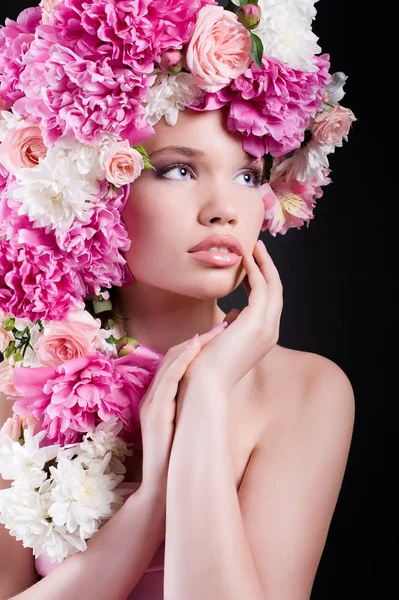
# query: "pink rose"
65 340
331 127
219 50
22 148
48 8
122 163
5 338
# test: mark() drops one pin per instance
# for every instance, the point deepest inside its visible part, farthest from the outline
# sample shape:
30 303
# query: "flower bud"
249 15
171 62
126 345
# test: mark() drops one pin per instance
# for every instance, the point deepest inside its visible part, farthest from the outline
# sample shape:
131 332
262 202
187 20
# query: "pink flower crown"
81 86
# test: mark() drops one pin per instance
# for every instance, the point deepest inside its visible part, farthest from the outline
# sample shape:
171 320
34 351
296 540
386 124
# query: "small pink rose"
61 341
331 127
22 148
122 163
171 61
5 338
219 50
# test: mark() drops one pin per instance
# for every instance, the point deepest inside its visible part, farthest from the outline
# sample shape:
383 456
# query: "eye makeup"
162 170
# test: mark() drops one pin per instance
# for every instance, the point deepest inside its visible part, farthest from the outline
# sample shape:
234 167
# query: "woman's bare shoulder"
300 378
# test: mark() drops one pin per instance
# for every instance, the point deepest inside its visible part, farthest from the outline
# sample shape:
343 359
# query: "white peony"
285 29
9 120
53 194
81 498
170 94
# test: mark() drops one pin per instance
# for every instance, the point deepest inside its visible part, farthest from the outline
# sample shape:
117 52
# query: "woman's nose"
218 205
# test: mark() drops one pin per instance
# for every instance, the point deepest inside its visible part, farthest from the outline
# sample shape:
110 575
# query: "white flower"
9 120
25 462
335 88
169 94
84 157
80 497
305 164
285 29
25 514
104 439
53 194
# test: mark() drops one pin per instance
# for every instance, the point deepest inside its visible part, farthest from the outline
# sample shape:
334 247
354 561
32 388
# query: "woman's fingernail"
192 340
220 326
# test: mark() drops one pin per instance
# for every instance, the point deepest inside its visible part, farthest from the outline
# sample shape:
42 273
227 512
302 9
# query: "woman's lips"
218 259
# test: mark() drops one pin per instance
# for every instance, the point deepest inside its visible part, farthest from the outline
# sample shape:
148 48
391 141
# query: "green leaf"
244 2
256 49
146 158
111 340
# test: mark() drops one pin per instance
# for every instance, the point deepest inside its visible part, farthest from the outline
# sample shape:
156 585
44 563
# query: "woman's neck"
161 319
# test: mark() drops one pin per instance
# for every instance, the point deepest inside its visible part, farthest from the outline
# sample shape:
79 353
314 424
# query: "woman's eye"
250 178
177 172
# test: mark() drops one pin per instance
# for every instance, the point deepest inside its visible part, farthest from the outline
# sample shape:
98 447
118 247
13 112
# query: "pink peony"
219 50
69 95
332 127
122 163
22 148
272 106
15 40
95 248
35 282
80 393
132 34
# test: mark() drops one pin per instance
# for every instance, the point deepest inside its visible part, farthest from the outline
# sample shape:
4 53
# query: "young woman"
244 442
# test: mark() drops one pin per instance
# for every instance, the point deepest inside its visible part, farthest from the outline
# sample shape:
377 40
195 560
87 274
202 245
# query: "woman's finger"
271 275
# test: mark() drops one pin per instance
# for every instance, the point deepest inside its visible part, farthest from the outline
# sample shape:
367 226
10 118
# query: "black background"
337 294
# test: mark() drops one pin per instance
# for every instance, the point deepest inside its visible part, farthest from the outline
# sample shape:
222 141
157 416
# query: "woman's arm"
116 558
114 562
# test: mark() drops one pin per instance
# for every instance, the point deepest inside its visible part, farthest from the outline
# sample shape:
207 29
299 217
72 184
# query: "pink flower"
122 163
272 106
15 40
15 425
80 393
65 340
219 50
35 282
6 379
290 203
95 249
331 127
22 148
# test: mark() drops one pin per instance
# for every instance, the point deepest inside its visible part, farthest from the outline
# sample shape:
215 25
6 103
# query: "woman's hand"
157 408
251 334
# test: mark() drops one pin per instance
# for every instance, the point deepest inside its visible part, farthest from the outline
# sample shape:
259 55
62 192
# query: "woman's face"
203 184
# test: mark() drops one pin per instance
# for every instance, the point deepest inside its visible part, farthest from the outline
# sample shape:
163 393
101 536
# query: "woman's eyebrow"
191 152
